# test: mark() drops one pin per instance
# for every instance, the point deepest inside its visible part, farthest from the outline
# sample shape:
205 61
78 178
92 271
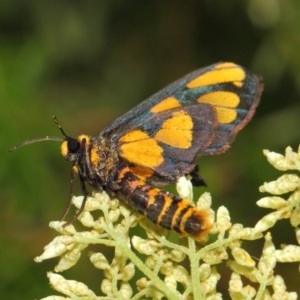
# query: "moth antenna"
46 138
27 142
59 127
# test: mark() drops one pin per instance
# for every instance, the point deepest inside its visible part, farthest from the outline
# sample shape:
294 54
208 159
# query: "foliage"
161 262
89 62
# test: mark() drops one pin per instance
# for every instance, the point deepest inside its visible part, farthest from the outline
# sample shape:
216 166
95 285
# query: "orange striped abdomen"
162 208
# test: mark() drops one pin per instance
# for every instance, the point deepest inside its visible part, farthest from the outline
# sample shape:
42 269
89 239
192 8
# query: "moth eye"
73 145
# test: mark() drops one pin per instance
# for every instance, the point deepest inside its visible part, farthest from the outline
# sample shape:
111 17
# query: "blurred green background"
90 61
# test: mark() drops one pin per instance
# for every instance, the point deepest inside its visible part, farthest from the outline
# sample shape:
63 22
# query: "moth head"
71 147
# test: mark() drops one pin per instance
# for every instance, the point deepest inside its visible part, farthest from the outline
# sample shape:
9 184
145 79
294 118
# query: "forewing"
170 141
217 101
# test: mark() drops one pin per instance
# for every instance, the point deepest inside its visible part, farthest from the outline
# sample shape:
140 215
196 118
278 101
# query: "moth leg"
197 180
74 173
85 195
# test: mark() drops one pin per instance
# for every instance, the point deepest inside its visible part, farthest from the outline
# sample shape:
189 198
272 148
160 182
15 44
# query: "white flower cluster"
184 270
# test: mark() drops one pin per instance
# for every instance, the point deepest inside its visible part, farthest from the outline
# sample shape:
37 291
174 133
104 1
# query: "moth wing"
216 102
232 90
170 141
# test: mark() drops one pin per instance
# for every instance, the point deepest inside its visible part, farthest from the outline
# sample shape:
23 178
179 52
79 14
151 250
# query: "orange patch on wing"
165 104
220 98
141 171
226 65
223 102
225 115
177 131
238 83
133 136
223 73
140 149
